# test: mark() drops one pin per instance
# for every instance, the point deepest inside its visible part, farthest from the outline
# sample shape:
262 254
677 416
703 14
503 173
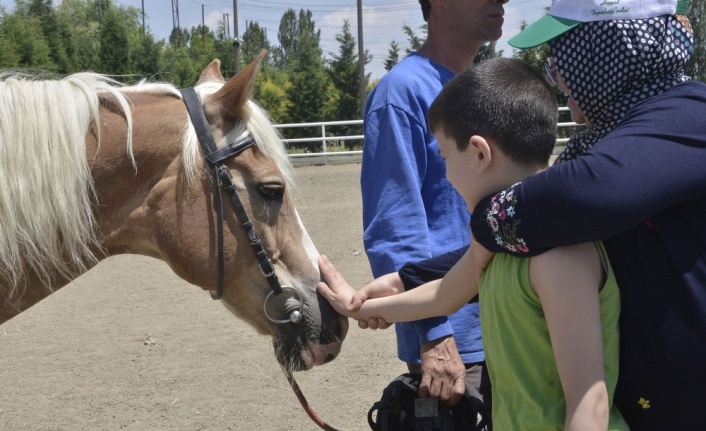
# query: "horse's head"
64 151
262 179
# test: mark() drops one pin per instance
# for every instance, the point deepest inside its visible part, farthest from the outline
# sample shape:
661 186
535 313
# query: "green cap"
545 29
565 15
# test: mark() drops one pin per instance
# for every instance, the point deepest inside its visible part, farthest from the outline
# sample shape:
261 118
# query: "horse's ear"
212 72
234 93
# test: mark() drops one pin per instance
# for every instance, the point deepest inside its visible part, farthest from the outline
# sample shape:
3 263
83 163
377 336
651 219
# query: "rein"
220 176
318 420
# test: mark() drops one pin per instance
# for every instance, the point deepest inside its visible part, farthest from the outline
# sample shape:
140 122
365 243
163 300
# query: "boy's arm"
436 298
568 281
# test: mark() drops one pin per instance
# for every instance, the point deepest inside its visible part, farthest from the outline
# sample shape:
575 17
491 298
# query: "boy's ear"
482 154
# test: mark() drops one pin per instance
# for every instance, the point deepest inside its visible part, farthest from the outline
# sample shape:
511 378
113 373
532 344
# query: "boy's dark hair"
502 99
426 8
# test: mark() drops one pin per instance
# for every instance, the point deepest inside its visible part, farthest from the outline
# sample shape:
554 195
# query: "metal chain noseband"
220 175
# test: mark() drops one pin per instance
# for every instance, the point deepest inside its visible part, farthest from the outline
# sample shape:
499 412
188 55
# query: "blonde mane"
47 222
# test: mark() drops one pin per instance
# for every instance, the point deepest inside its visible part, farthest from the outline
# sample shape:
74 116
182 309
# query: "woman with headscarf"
635 179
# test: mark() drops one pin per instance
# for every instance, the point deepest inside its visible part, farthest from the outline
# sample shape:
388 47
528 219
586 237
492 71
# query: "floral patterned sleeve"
502 220
628 178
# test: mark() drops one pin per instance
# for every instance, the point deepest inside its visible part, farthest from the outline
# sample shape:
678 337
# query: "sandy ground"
129 346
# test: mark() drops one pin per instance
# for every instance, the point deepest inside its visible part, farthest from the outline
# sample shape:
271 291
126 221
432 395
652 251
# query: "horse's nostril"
330 357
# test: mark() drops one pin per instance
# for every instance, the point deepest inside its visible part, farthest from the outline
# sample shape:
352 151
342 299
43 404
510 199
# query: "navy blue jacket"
642 190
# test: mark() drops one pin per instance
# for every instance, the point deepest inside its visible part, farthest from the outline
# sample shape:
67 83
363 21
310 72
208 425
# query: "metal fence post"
323 141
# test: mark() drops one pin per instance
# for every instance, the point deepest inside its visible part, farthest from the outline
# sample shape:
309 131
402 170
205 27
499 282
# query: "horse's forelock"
268 139
257 123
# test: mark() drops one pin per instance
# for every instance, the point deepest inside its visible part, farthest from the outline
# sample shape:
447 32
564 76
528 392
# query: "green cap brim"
682 7
543 30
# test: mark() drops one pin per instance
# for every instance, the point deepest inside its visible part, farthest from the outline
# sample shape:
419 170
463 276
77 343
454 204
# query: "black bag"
400 409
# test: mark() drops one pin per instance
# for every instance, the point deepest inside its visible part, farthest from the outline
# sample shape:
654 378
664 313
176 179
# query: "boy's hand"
385 285
336 290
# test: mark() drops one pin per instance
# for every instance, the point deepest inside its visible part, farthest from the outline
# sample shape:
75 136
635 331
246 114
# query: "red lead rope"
318 420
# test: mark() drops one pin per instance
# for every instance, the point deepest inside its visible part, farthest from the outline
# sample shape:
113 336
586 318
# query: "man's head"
426 9
480 20
503 100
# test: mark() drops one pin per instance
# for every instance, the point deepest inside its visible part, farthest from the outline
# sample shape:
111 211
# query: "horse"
91 168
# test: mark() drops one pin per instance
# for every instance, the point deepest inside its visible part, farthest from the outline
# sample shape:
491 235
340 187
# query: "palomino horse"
90 168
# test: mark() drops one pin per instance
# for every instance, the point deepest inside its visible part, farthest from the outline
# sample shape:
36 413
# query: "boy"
550 323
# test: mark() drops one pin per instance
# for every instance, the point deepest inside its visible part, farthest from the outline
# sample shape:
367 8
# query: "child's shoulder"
573 265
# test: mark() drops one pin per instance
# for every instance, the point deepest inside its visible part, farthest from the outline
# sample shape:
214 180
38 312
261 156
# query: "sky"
382 20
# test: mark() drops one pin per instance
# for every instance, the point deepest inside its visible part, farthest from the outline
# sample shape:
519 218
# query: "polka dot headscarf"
610 66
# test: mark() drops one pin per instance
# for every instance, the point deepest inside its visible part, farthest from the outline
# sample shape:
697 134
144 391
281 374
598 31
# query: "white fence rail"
327 156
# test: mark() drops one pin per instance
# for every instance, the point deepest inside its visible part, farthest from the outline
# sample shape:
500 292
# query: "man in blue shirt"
410 211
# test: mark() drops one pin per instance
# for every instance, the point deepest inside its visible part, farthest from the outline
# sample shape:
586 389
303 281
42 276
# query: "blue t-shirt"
410 211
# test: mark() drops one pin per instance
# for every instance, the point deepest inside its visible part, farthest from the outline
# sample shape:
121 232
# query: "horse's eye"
271 191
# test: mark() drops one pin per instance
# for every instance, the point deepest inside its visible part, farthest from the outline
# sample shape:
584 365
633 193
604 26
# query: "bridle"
221 178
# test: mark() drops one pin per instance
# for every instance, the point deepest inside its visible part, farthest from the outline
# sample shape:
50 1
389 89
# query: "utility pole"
226 25
175 23
175 14
361 59
143 18
101 7
236 37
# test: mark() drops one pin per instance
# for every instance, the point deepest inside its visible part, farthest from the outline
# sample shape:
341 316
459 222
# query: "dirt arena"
129 346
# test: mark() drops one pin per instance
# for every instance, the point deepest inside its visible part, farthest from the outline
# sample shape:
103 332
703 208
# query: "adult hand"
386 285
443 371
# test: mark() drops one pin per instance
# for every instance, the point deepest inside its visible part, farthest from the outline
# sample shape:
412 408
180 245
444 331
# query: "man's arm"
394 163
394 218
415 274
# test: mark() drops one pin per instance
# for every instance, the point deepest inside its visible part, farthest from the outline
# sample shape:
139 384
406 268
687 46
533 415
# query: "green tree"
288 36
28 48
114 48
58 37
485 52
178 68
179 37
146 56
414 42
307 74
8 56
393 56
345 78
81 17
223 49
696 68
201 47
271 92
254 41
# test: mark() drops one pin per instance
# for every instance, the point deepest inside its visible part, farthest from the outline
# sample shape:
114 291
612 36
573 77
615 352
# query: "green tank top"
527 393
